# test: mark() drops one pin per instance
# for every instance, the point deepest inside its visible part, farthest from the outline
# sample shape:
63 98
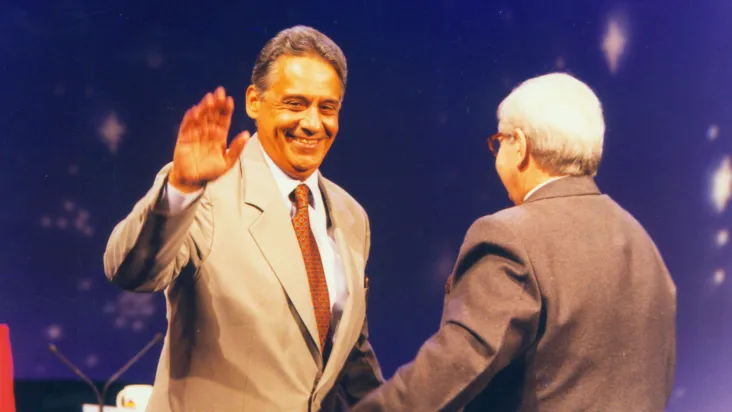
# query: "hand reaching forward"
200 154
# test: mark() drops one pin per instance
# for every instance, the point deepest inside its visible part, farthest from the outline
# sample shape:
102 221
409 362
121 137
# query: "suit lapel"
276 239
342 221
275 236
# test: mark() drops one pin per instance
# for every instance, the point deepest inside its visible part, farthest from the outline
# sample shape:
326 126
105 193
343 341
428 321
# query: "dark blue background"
424 85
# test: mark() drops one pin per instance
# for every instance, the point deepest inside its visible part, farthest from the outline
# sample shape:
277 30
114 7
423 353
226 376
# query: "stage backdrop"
92 95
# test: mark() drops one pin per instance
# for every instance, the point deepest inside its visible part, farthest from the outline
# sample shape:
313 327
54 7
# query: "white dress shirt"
329 255
540 185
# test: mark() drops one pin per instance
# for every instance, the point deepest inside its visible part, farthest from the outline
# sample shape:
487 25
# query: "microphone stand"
100 395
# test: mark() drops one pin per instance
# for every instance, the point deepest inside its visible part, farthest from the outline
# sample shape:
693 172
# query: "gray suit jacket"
241 328
560 304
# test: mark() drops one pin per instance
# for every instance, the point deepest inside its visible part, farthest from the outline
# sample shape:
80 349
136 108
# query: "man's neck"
539 183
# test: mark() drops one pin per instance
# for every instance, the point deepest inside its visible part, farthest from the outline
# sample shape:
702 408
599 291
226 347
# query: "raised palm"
201 155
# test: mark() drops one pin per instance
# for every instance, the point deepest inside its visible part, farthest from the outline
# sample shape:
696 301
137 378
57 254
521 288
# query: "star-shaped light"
722 237
678 393
62 223
111 132
81 223
138 325
85 284
559 63
54 332
154 59
718 277
91 361
443 260
613 44
131 310
722 184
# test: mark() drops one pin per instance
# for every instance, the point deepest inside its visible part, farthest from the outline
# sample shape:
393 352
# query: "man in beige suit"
561 303
260 257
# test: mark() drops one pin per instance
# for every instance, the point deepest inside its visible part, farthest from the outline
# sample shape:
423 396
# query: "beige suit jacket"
241 332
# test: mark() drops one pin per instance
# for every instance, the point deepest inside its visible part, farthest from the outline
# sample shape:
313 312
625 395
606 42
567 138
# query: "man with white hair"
562 303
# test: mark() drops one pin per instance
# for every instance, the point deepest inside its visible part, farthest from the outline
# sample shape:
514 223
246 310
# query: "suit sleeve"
151 246
361 374
491 316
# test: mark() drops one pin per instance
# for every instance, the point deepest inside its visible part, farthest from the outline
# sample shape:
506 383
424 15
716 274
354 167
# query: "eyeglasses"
494 142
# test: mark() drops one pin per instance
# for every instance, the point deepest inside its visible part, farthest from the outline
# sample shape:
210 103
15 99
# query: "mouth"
303 142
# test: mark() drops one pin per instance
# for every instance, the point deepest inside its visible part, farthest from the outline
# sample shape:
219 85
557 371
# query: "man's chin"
301 170
303 163
306 171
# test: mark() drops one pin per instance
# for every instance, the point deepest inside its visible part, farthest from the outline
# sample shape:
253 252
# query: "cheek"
331 126
500 172
502 168
286 120
500 163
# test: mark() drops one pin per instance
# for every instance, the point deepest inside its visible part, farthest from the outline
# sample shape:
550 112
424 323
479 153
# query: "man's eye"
295 105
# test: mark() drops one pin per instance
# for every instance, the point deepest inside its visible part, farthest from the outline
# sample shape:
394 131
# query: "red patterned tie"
313 264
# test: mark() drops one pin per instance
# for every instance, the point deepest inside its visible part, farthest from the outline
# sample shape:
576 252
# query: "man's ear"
522 145
253 100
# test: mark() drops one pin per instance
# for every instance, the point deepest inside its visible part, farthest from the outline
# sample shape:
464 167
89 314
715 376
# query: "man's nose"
312 123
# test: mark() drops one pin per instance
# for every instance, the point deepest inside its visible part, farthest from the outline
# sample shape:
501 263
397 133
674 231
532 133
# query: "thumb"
236 147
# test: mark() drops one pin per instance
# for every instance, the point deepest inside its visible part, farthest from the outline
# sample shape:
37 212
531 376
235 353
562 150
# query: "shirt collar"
287 184
540 185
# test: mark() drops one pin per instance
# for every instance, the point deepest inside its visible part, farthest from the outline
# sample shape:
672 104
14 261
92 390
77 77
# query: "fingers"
216 103
210 119
217 108
223 106
208 102
236 147
188 130
225 119
207 114
220 94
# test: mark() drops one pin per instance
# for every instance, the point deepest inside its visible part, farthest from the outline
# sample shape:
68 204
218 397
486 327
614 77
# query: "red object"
313 264
7 397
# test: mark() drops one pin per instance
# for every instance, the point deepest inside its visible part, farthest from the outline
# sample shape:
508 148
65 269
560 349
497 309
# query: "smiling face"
297 116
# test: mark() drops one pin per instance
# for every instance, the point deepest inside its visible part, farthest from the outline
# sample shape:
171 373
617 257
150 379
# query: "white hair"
562 120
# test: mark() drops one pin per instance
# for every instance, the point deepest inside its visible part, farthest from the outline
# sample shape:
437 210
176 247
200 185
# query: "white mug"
134 397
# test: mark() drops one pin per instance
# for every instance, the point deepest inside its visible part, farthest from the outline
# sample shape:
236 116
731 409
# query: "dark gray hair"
298 41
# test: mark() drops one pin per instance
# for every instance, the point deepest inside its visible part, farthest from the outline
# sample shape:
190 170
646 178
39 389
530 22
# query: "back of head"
562 119
298 41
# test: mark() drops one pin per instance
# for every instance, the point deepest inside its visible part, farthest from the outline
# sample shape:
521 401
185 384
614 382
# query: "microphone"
100 395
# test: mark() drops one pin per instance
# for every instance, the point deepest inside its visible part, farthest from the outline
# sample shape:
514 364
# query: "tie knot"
302 196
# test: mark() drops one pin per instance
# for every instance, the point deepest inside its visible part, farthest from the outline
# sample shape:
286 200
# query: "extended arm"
491 316
154 243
